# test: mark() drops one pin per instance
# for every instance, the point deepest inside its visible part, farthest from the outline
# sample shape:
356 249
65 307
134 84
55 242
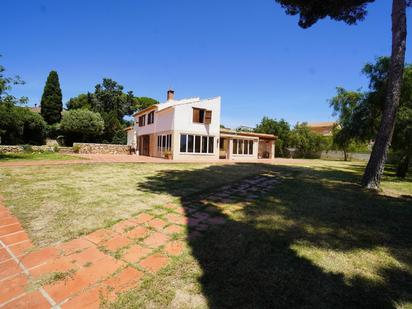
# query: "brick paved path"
85 271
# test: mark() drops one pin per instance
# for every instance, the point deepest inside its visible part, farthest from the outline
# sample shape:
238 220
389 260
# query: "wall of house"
163 121
183 124
233 156
131 138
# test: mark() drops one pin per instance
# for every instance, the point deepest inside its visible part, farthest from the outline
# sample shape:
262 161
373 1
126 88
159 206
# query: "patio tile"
14 238
174 247
143 217
135 253
116 243
156 240
74 245
137 232
39 257
4 255
216 220
83 278
128 278
122 226
33 300
177 219
154 262
8 220
58 265
89 255
9 268
21 248
12 287
10 228
100 235
173 229
88 299
156 223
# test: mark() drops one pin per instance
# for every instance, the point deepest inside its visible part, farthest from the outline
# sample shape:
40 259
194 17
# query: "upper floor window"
202 116
142 121
150 118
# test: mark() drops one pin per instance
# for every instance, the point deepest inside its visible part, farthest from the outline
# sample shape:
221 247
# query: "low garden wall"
91 148
20 148
339 155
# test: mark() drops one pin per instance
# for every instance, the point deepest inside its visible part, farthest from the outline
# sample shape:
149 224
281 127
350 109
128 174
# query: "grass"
12 157
316 239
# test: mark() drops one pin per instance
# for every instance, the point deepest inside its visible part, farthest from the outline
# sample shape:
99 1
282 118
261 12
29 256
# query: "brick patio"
97 267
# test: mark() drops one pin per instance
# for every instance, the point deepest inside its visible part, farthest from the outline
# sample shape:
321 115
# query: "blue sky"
248 52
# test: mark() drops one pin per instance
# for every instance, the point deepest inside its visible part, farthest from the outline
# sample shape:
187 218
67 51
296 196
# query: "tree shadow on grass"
252 261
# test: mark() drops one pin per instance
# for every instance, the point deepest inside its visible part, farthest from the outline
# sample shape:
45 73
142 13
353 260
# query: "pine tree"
51 101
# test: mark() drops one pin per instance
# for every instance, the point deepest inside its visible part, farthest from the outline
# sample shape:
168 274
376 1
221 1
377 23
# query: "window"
142 121
204 144
208 117
211 144
190 143
222 144
242 147
150 118
183 143
202 116
196 143
235 146
164 143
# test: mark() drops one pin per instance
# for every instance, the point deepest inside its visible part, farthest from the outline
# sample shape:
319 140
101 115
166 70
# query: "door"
144 145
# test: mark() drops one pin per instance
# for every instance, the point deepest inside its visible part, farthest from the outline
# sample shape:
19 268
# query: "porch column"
230 148
273 149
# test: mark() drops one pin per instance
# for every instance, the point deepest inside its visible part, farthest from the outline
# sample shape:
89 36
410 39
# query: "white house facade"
189 129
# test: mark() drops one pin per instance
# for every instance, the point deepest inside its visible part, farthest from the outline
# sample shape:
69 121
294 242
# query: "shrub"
76 148
19 125
56 148
81 125
27 149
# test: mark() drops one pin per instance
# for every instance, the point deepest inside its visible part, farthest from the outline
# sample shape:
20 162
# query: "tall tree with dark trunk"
51 101
351 11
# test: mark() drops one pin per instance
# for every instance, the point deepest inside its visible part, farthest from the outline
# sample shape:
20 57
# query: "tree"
351 11
360 113
343 105
51 101
141 103
18 125
83 100
81 125
280 128
306 142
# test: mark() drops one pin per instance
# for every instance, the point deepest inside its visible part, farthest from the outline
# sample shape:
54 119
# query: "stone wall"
86 148
339 155
20 148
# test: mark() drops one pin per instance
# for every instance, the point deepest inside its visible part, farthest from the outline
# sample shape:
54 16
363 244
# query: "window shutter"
208 117
196 115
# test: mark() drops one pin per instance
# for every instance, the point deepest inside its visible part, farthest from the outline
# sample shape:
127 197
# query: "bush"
53 130
307 143
56 148
76 148
81 125
27 149
19 125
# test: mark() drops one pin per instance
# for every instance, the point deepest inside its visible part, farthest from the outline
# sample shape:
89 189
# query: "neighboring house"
323 128
189 129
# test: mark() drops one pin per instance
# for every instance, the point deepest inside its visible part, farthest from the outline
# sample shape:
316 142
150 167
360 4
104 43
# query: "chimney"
170 95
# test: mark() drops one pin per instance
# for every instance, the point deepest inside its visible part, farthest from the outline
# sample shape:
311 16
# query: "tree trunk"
374 169
345 155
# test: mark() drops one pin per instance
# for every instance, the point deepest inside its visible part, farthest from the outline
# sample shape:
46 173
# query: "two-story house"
189 129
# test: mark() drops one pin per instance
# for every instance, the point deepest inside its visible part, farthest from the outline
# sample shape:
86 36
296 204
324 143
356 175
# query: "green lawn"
12 157
316 239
